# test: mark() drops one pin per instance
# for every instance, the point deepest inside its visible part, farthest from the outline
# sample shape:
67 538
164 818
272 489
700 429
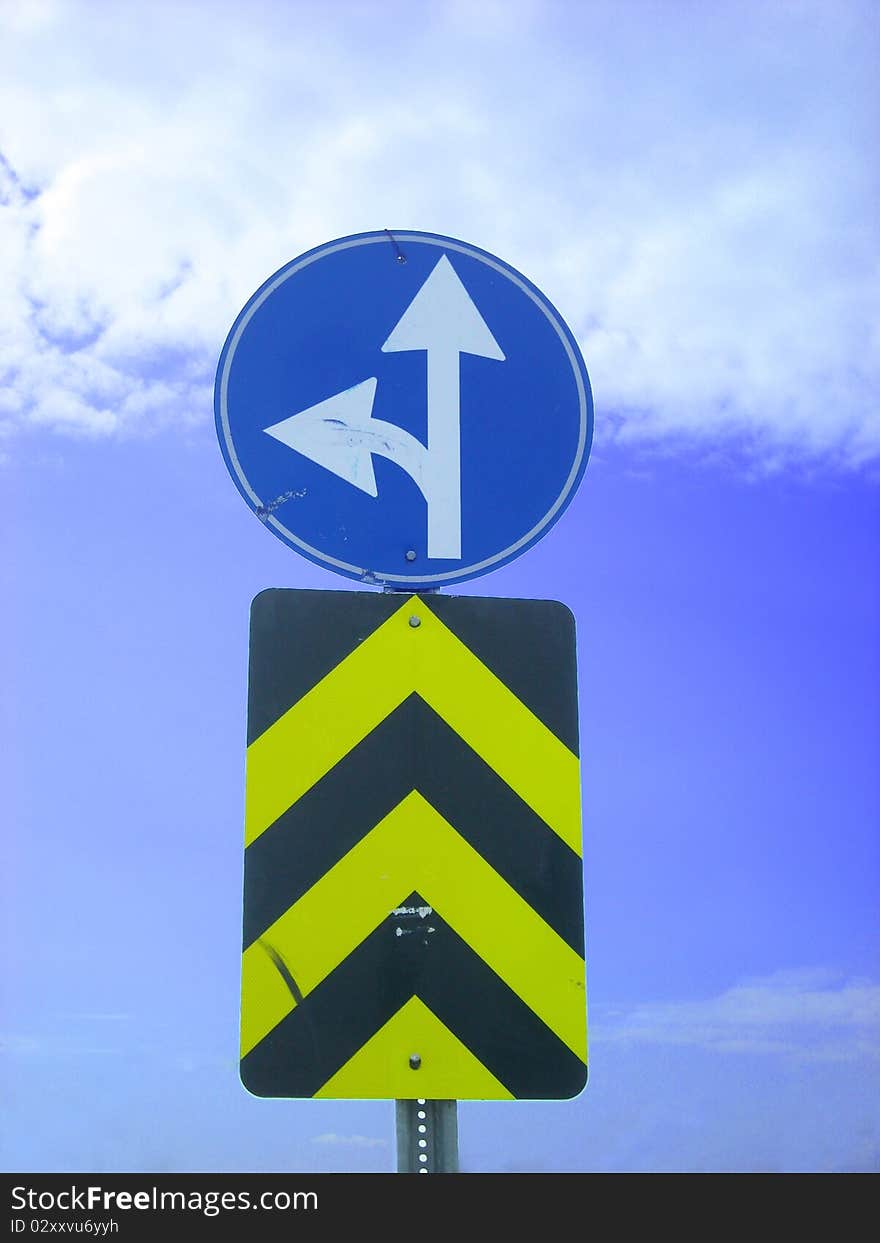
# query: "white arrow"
340 434
443 321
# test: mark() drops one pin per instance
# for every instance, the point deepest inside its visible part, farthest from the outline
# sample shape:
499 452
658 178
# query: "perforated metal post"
427 1131
427 1137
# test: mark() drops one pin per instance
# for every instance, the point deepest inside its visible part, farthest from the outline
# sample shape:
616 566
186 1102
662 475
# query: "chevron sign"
413 901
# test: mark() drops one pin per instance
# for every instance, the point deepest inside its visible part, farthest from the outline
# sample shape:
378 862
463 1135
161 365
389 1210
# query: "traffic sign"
404 409
413 900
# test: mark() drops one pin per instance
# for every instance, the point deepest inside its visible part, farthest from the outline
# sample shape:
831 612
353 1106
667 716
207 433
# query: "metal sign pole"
427 1137
427 1131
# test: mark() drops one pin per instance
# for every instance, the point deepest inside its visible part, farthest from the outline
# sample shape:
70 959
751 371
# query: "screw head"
415 621
410 554
414 1061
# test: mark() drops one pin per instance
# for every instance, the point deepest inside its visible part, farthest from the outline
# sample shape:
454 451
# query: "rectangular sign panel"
413 896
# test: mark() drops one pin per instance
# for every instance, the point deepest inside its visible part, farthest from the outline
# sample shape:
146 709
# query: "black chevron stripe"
339 1016
298 637
412 748
526 644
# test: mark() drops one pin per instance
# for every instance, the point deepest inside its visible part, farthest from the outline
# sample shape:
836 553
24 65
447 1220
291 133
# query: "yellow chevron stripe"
414 848
396 660
499 727
381 1067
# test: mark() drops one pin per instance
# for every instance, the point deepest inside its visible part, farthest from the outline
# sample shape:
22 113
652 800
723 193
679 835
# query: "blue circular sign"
403 408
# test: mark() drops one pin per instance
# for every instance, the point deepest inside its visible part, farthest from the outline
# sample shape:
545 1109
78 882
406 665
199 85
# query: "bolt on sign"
413 909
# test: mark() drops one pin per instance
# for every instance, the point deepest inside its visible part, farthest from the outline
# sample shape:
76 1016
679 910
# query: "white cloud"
350 1141
809 1015
692 189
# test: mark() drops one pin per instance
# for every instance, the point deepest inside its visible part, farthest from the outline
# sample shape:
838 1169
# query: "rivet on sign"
410 554
415 620
414 1061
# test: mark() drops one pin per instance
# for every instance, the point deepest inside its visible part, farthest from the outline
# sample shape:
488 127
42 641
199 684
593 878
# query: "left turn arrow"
340 434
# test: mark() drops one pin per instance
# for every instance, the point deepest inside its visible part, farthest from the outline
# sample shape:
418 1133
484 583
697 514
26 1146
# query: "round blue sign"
404 409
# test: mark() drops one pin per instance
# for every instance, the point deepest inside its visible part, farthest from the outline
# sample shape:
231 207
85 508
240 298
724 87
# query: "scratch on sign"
283 971
263 511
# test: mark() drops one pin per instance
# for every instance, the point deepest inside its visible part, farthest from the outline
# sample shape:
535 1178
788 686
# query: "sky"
693 186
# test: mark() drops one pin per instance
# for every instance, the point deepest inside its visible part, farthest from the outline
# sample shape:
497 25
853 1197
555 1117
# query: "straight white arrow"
443 321
341 434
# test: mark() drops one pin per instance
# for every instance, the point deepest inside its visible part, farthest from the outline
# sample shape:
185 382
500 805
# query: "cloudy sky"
694 187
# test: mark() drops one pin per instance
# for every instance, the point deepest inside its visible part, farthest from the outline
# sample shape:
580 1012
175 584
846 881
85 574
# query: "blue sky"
693 188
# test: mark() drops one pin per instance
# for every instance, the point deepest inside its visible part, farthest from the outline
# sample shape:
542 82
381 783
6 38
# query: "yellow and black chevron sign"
413 901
